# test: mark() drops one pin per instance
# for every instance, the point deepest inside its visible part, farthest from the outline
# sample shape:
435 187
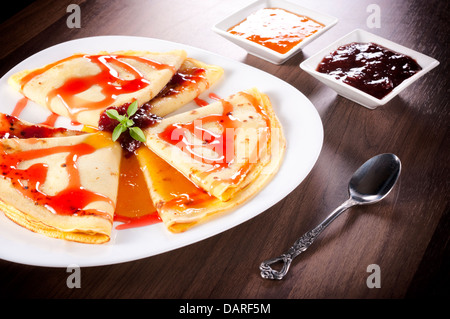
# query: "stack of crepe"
187 182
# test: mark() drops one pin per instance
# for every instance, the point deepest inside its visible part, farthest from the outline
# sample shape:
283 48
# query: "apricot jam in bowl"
366 68
274 30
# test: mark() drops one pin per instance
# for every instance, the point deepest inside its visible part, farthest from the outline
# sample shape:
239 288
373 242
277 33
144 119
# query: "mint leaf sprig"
126 123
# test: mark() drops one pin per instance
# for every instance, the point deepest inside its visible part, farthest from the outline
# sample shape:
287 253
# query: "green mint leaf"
137 134
132 108
128 122
119 129
123 119
113 114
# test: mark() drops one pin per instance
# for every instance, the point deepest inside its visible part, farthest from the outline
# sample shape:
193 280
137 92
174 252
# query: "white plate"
261 51
300 120
310 65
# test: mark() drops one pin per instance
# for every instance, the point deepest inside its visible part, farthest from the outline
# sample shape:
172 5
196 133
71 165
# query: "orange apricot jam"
276 28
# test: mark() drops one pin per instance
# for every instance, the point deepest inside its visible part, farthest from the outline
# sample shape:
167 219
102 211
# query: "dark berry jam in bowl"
143 118
368 69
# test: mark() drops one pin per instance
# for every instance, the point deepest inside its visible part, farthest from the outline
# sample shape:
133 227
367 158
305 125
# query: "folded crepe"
62 187
211 159
192 78
82 86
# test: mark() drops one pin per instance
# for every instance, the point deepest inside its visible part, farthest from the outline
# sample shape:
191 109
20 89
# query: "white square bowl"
310 66
261 51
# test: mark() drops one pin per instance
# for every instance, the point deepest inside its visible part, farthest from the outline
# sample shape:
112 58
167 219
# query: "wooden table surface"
406 235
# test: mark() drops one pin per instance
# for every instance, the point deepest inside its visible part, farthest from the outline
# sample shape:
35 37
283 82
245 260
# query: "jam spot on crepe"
142 118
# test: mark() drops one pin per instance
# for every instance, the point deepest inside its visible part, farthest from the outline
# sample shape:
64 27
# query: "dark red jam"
12 127
369 67
142 118
182 79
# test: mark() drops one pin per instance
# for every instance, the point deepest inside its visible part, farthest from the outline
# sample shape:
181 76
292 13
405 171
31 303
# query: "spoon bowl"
370 183
375 179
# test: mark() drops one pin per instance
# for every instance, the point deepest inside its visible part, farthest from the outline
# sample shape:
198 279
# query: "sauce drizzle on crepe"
108 79
222 144
73 198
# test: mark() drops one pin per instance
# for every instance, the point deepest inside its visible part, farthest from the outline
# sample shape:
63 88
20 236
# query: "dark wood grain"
406 234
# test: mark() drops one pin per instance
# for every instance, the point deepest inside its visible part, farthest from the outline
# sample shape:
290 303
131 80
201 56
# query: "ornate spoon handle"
300 245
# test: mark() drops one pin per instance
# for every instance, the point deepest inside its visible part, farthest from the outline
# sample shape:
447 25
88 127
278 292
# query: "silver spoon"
369 184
